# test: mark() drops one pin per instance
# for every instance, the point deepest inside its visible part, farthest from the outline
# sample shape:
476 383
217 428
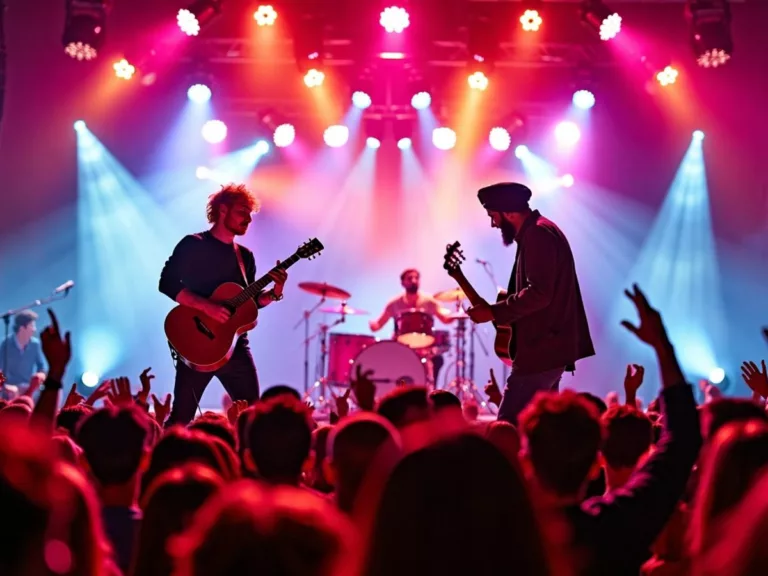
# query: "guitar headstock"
310 249
454 256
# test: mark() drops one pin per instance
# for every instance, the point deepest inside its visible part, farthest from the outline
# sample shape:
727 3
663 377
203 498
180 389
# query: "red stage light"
394 19
531 20
668 76
265 15
478 81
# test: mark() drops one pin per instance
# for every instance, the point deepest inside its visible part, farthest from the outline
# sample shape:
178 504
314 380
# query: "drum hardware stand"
307 339
489 271
321 381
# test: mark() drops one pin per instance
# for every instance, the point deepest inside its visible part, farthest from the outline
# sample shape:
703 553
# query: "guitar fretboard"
253 290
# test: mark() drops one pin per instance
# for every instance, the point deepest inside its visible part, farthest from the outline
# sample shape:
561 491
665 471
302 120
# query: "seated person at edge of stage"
23 352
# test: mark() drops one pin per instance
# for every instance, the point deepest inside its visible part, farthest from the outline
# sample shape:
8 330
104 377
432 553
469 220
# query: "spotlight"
698 135
265 15
521 151
716 376
79 126
199 93
443 138
373 143
124 69
667 77
402 130
361 100
214 131
710 22
190 20
314 78
531 20
583 99
284 135
262 147
421 100
85 22
202 173
394 19
336 136
89 379
566 180
567 133
499 139
601 18
478 81
404 143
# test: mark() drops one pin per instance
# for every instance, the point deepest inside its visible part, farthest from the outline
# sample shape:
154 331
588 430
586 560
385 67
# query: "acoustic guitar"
502 344
205 344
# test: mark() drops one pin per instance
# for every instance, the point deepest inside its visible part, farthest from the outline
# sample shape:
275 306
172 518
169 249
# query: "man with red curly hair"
198 265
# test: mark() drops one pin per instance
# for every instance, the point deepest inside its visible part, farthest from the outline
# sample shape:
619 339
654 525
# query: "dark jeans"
521 388
238 376
437 363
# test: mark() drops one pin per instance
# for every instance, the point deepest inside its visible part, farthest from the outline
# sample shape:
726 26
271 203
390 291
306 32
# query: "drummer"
412 299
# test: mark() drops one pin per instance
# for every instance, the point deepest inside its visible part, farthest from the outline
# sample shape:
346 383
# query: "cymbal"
346 310
450 295
458 316
325 290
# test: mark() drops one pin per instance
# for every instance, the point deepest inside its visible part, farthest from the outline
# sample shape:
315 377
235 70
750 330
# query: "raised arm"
385 317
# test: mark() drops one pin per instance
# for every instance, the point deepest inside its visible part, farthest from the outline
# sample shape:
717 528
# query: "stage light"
601 18
199 93
373 143
716 376
85 22
567 180
190 20
443 138
336 136
521 151
214 131
477 81
202 173
667 77
710 23
262 147
583 99
314 78
89 379
567 133
392 55
698 135
394 19
531 20
404 143
361 100
124 69
284 135
421 100
79 126
265 15
499 139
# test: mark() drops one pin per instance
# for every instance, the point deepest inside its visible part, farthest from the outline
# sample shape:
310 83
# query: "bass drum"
393 364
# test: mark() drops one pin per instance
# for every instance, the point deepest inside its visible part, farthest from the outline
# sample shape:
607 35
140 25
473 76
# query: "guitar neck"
253 290
469 290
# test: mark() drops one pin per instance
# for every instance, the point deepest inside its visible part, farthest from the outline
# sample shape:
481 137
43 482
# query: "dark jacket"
544 306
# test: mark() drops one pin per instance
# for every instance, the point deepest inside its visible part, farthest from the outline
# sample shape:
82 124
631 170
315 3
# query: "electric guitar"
205 344
454 256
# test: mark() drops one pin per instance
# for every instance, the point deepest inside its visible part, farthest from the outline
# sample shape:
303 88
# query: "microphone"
65 287
481 261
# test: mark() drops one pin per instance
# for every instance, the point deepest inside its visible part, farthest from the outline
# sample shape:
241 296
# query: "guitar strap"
240 263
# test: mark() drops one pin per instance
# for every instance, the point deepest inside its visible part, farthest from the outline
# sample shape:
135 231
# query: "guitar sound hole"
201 327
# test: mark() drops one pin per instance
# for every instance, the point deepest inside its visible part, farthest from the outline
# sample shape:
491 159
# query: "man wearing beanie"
543 307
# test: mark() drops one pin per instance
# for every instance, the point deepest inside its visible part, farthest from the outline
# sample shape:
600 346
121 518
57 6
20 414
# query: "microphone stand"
55 297
305 320
489 271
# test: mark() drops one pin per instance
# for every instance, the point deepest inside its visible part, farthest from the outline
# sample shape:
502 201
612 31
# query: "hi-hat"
346 310
325 290
450 295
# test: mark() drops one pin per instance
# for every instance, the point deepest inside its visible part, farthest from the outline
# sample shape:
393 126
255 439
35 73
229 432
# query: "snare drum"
343 349
414 329
393 364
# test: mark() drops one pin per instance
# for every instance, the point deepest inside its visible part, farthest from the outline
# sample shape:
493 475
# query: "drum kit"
405 360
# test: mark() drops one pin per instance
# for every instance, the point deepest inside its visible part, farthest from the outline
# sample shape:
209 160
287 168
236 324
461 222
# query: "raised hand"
342 403
234 411
651 328
492 390
756 379
120 393
364 388
633 378
145 378
73 398
100 392
57 350
162 409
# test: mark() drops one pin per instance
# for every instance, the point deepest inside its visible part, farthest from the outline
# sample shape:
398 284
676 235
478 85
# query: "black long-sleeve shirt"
201 262
617 530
